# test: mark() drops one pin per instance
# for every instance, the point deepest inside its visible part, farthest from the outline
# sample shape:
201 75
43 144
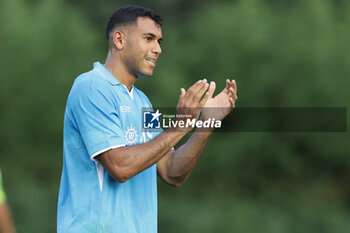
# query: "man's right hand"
191 101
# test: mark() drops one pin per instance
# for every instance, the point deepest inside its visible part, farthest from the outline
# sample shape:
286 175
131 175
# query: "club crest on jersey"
131 135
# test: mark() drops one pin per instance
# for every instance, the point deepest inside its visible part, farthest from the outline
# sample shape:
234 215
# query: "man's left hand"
220 106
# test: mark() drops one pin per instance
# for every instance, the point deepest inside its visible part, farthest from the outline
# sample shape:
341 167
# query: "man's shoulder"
90 80
89 85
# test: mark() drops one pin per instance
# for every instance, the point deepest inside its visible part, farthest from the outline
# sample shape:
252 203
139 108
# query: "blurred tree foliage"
282 53
44 45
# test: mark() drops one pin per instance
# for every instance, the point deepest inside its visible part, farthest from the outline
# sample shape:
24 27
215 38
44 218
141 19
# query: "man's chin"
145 75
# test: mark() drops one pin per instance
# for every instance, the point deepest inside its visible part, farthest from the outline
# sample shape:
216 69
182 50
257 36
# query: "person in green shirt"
2 192
6 222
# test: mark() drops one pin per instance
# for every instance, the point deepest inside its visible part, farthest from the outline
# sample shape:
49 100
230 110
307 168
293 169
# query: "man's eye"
148 38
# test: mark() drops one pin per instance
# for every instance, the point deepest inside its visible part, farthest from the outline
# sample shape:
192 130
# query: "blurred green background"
285 53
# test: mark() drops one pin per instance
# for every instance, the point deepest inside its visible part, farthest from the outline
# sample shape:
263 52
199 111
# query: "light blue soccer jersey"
102 114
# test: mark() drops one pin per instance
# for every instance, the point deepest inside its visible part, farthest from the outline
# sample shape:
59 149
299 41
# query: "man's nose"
157 49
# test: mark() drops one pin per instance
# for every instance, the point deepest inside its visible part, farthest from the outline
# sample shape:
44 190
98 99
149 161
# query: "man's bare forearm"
184 159
124 162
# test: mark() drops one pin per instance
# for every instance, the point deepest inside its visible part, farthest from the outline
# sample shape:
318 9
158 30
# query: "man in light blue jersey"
110 164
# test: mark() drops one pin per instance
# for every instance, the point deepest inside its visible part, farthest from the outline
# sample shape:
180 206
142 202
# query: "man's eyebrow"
151 35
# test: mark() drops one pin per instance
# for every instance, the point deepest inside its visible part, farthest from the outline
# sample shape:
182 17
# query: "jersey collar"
102 71
99 68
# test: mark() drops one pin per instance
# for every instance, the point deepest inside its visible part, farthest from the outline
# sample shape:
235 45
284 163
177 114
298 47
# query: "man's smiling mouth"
152 60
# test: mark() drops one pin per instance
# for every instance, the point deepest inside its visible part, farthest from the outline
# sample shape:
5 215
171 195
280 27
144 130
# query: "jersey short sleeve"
97 120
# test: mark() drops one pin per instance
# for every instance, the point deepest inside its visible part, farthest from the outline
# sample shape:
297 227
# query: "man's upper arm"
97 120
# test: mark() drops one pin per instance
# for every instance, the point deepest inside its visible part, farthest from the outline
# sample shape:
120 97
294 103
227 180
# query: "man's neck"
119 71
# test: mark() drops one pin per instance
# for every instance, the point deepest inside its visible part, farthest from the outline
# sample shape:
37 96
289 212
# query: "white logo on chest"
125 108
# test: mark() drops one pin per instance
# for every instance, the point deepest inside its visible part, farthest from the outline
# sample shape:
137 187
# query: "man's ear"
119 40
